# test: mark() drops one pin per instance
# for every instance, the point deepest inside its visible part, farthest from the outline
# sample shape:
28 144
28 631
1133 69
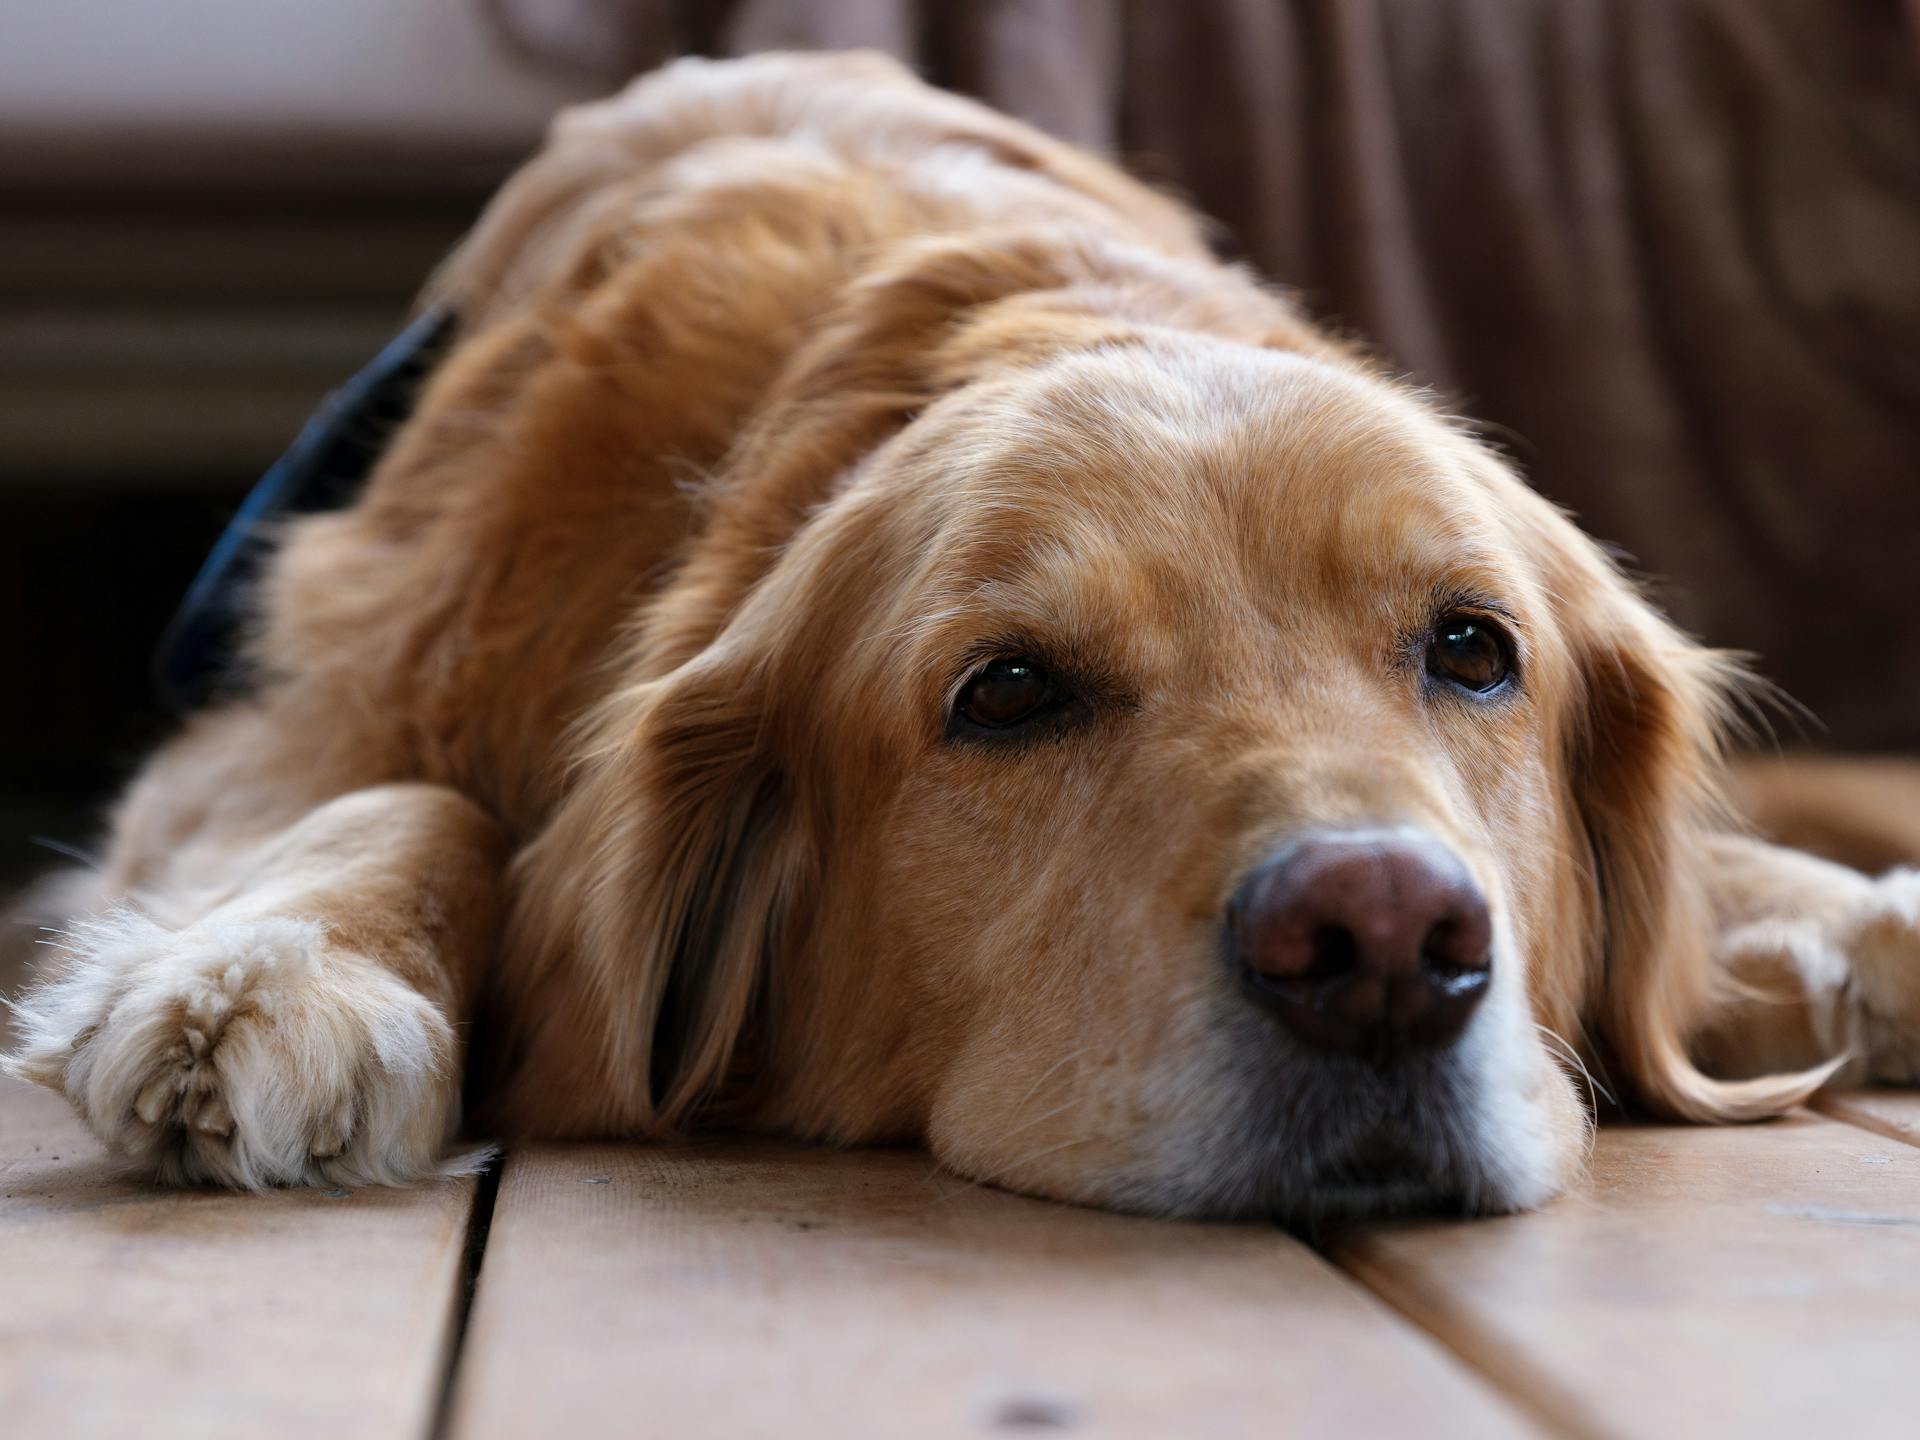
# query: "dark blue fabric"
324 468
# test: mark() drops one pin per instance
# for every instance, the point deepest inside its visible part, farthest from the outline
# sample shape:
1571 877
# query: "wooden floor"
1752 1282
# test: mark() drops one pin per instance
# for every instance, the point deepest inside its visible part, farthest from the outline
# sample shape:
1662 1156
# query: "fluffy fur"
610 721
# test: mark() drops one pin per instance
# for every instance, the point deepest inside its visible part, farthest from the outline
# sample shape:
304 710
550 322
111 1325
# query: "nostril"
1448 953
1456 955
1454 983
1335 952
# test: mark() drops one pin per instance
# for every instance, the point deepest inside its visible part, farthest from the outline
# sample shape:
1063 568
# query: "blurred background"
1667 252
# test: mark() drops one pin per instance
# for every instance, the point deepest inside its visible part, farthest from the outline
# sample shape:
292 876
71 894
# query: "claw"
157 1099
214 1117
332 1137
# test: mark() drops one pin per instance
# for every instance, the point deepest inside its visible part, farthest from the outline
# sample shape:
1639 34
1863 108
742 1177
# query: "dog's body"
650 714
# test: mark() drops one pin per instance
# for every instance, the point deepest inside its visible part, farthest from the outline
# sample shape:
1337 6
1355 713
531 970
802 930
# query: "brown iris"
1007 693
1469 651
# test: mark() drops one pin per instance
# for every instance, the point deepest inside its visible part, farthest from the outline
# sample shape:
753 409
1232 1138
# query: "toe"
155 1101
332 1137
214 1117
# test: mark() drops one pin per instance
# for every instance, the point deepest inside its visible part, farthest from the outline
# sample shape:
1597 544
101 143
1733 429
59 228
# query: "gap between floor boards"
479 1226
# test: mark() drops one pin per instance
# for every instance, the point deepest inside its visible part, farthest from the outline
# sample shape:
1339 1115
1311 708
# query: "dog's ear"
644 912
1645 760
679 855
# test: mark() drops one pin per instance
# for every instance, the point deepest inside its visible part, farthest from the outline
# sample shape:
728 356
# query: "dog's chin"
1379 1177
1406 1185
1307 1141
1286 1196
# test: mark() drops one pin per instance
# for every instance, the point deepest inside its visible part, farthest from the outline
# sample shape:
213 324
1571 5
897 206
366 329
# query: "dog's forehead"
1182 465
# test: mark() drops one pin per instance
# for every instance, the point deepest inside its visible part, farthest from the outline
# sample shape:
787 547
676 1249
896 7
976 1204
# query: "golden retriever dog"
872 634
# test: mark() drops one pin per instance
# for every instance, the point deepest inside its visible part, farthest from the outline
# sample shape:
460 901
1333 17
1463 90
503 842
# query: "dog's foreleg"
287 1014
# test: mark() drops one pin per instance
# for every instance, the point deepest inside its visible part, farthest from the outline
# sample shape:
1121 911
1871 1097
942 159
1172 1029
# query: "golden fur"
787 390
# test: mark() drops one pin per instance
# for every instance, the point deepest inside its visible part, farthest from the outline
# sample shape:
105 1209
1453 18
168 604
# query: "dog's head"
1162 771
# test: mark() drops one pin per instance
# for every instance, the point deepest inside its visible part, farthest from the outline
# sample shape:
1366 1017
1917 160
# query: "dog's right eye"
1007 694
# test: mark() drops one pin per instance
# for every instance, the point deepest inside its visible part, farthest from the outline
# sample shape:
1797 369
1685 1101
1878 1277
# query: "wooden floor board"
738 1289
1892 1113
1743 1281
127 1310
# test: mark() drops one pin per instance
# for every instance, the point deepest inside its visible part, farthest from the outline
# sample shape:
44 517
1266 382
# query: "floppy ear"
1646 765
643 913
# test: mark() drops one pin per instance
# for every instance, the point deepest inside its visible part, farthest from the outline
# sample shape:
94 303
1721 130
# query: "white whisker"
1560 1047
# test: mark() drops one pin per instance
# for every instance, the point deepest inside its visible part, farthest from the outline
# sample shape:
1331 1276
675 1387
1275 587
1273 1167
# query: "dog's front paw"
1885 983
245 1053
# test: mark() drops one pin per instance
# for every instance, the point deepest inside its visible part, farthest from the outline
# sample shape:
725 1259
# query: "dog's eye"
1007 693
1469 651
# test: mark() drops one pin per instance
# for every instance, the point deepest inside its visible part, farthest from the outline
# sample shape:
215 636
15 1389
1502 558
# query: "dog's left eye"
1469 651
1006 694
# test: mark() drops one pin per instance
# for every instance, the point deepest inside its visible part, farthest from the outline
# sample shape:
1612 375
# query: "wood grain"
129 1310
1892 1113
756 1290
1751 1281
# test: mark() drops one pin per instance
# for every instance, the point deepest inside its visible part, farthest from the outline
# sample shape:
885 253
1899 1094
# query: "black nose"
1372 943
